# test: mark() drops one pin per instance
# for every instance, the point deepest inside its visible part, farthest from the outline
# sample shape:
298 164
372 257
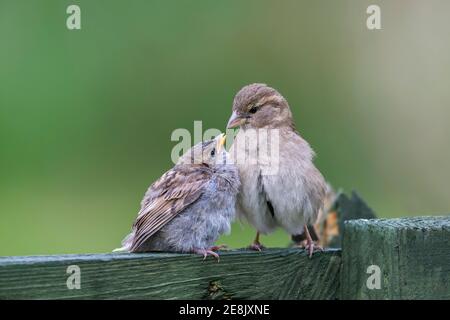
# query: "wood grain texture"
413 255
271 274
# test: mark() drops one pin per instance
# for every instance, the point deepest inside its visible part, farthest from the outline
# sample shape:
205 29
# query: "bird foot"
311 247
219 247
206 252
256 246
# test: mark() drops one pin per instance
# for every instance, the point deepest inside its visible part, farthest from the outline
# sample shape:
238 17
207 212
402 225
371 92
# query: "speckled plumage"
190 206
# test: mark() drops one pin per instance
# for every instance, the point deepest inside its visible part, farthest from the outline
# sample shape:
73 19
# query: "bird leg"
256 245
310 245
206 252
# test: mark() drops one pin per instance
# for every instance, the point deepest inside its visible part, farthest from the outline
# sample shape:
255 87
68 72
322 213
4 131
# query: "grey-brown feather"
188 208
200 224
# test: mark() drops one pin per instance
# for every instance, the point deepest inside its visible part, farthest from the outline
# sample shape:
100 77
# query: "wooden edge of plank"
420 222
66 258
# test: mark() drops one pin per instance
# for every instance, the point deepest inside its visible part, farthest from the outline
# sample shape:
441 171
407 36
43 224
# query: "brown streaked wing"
168 196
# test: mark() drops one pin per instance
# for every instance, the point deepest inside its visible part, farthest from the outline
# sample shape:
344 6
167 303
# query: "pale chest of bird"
278 179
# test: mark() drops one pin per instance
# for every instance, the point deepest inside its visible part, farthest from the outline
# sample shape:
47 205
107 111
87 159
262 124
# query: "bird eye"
213 152
253 109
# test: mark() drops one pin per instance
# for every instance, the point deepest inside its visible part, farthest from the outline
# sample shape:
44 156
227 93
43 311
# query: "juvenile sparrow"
290 198
190 206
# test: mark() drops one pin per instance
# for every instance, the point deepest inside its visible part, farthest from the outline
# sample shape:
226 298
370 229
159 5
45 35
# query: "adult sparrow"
190 206
280 187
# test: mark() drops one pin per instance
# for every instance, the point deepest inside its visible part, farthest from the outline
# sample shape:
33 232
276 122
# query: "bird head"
210 152
259 106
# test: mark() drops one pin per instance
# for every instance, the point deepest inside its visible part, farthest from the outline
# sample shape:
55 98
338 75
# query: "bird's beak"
235 120
220 142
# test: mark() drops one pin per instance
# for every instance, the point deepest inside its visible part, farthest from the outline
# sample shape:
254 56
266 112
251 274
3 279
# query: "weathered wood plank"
413 255
271 274
349 208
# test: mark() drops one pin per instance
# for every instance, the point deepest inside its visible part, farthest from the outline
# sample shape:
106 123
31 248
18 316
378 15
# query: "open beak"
235 120
220 142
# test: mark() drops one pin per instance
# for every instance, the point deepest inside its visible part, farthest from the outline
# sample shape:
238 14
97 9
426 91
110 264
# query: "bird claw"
311 247
256 246
205 253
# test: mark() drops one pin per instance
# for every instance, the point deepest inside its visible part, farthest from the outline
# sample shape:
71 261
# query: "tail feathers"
126 244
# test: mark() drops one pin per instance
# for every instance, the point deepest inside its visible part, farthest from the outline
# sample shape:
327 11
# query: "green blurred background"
86 116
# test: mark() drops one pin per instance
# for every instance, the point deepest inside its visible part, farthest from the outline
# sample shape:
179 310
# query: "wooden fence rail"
380 259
